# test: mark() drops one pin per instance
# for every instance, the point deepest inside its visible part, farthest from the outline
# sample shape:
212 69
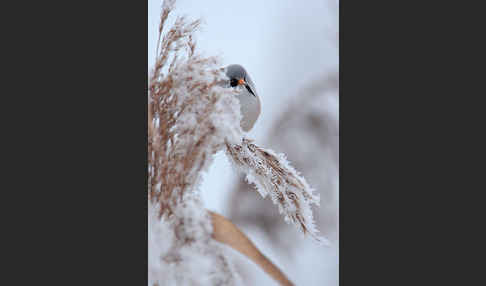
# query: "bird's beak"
241 81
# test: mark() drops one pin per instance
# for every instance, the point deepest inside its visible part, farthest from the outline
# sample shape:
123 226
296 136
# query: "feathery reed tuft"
272 175
190 116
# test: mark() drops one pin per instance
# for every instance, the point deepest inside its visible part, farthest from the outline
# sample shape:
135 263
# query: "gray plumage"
249 101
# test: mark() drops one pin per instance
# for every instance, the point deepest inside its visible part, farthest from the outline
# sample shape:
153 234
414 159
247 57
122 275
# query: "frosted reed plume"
274 176
190 115
190 118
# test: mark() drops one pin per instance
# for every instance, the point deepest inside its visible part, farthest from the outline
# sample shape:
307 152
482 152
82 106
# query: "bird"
250 107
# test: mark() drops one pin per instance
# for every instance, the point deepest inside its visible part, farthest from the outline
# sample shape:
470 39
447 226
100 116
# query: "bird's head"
238 77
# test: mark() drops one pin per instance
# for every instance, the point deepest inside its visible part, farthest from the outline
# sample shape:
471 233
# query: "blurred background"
290 49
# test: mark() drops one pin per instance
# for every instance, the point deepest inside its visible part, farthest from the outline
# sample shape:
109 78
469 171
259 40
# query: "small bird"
249 101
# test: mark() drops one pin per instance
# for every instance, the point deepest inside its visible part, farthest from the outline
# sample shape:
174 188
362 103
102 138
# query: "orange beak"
241 81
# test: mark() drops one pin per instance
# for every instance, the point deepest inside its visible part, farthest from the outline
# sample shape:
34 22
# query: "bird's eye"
233 82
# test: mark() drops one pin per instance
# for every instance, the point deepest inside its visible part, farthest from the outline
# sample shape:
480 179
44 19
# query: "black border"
410 146
77 155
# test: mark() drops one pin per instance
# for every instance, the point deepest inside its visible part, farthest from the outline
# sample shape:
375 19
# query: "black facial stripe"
249 89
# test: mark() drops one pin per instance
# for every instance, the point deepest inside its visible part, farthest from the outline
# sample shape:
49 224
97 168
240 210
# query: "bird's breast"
249 108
